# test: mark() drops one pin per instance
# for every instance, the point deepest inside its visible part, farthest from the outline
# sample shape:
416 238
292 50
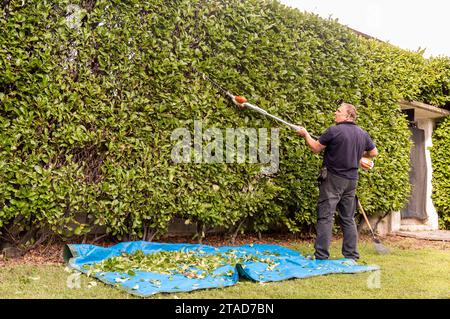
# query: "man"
346 145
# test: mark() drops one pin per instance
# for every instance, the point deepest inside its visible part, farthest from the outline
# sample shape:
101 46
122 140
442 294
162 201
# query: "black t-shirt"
345 143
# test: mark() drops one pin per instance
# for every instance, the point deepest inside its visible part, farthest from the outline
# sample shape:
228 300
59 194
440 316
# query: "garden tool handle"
364 215
264 112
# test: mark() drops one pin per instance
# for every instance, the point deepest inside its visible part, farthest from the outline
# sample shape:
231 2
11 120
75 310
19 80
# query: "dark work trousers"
336 193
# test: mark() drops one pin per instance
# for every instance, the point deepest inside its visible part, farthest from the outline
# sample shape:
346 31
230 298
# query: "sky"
408 24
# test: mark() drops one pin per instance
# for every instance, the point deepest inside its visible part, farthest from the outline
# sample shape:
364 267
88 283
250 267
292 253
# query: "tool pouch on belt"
322 175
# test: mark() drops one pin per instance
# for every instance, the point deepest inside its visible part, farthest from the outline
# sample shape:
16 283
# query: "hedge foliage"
438 93
440 154
435 88
91 91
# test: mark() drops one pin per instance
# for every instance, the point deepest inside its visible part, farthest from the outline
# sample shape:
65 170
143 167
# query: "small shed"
419 214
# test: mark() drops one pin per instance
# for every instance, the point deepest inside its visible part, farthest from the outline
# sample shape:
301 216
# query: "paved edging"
436 235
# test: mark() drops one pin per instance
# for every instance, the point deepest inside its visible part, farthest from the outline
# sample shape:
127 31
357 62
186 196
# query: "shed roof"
424 111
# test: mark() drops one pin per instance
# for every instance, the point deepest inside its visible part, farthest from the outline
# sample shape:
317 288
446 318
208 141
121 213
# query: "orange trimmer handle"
240 99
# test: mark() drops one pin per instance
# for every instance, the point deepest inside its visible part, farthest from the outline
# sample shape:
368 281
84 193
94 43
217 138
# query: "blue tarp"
287 263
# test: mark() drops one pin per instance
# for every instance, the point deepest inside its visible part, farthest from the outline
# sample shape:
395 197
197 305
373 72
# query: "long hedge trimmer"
242 103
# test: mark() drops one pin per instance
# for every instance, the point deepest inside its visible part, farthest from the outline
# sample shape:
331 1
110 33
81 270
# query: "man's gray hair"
350 111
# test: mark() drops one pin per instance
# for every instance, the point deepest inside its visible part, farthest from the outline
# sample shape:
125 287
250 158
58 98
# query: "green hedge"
435 88
88 107
437 92
440 154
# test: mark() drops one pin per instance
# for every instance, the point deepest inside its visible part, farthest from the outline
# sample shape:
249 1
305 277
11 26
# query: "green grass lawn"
408 272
